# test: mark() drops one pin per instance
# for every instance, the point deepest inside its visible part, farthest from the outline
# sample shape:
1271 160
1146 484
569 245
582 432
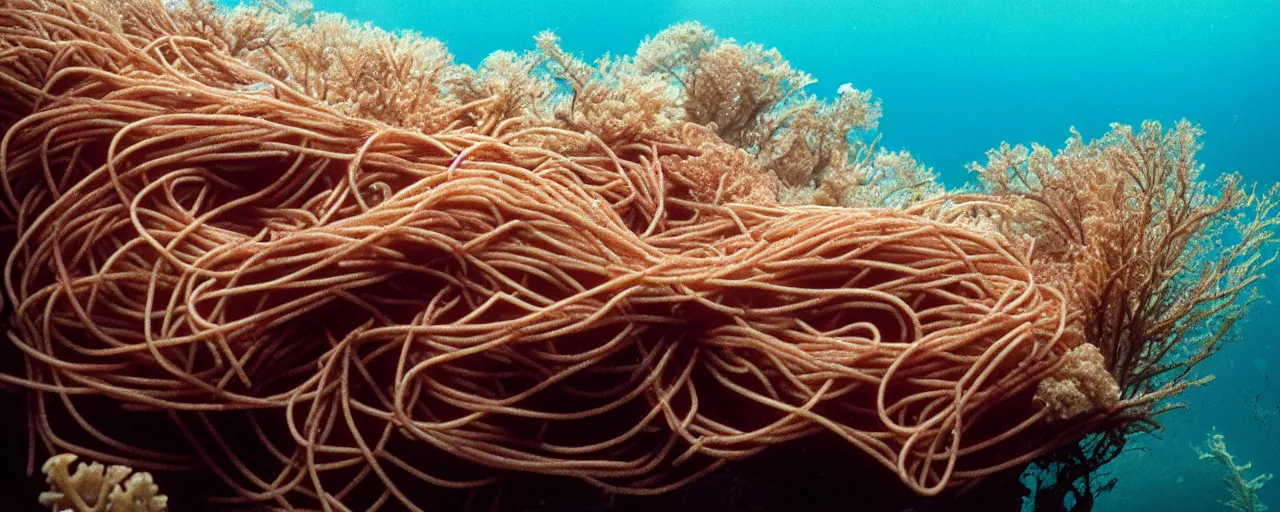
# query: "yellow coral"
95 488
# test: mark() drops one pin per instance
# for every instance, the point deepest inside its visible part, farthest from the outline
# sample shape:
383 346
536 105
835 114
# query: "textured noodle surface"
328 309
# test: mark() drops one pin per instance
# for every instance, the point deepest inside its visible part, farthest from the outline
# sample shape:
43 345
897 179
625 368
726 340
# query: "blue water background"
959 77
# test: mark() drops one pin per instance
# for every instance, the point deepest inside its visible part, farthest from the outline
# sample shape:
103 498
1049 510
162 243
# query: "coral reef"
1160 263
325 265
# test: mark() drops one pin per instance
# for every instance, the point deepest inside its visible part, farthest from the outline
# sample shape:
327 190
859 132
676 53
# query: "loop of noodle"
373 305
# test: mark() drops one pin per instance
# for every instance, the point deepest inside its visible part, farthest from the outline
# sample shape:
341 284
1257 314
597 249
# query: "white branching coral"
1082 384
1244 490
97 488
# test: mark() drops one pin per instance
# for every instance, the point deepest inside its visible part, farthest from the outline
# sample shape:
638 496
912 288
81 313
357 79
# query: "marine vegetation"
317 265
1161 263
1244 490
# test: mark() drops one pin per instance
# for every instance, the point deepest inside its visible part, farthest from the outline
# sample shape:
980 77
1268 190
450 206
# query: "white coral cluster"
97 488
1082 384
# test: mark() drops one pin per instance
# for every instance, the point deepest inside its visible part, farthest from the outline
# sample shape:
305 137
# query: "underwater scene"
639 255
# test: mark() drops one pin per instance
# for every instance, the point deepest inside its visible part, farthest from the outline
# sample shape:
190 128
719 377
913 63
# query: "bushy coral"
506 87
1128 227
750 97
360 69
873 179
721 172
612 99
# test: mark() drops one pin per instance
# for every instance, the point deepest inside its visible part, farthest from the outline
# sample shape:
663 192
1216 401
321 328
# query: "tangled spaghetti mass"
325 309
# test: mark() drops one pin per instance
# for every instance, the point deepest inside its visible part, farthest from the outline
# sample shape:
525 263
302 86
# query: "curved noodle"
366 306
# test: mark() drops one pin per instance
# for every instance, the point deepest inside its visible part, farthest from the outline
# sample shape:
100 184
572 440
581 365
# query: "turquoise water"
958 78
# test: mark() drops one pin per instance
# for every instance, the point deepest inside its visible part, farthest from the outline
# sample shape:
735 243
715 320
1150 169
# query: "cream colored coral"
1082 384
1244 490
97 488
